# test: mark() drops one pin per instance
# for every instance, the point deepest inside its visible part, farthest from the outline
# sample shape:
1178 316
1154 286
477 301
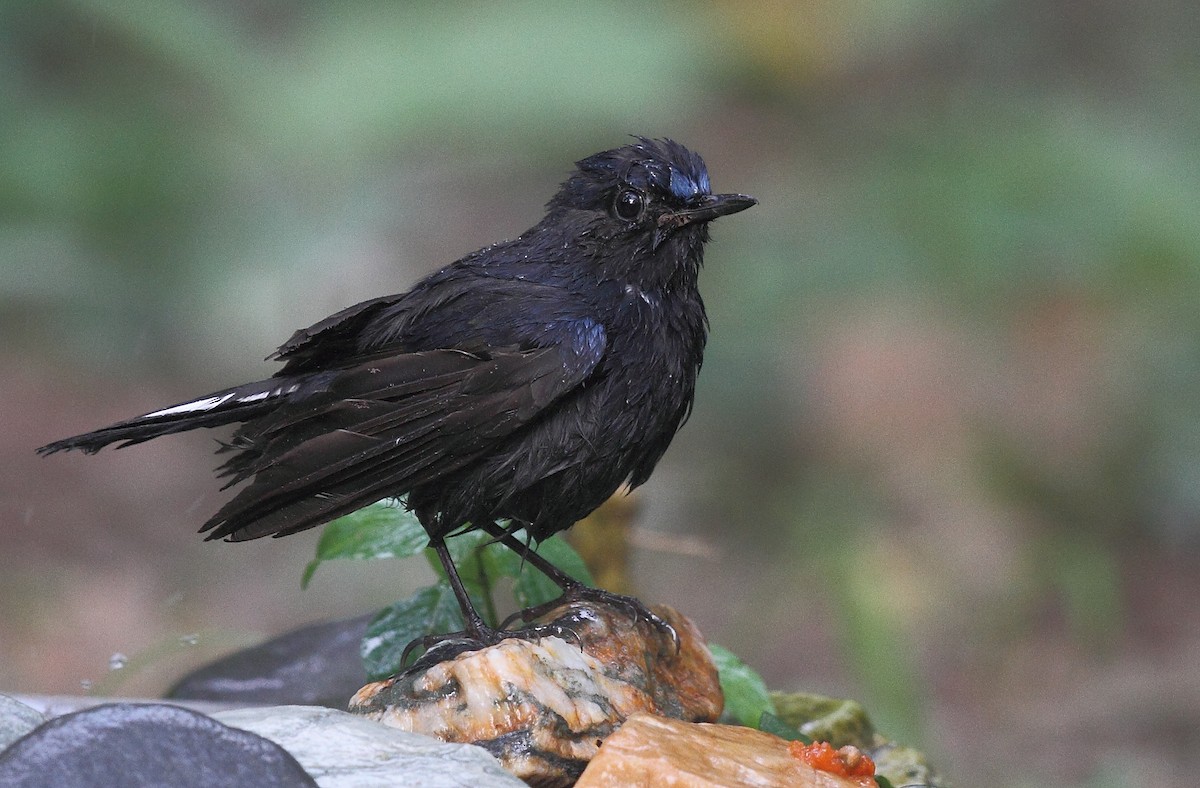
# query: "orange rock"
543 706
654 751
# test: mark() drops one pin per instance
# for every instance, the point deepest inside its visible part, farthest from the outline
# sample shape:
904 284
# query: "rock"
543 706
842 722
316 665
16 719
57 705
149 744
342 750
835 720
653 751
904 765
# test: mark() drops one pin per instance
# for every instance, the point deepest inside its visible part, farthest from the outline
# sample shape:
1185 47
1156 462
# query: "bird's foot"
441 647
578 592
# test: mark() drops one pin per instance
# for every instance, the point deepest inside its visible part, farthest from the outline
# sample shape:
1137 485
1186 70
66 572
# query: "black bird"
525 382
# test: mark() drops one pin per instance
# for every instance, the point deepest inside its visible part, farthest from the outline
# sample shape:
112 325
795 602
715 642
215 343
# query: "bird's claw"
441 648
636 609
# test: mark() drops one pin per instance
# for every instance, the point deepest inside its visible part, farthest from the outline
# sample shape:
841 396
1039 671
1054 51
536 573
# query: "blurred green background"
944 453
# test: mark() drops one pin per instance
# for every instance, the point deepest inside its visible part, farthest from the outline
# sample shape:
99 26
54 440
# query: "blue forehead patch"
669 168
684 186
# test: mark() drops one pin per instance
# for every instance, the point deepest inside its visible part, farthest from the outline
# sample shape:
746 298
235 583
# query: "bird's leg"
573 590
476 633
476 627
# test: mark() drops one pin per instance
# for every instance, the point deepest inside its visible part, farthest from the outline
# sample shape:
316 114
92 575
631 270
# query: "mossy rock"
841 722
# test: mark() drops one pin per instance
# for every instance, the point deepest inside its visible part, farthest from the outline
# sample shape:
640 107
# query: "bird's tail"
222 407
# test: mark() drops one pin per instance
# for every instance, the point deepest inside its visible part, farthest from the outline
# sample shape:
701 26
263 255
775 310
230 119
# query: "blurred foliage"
954 376
155 151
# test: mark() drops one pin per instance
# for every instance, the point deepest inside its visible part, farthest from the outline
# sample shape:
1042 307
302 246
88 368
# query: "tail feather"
214 410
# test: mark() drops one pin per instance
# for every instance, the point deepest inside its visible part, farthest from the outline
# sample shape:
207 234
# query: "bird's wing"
389 424
335 336
461 307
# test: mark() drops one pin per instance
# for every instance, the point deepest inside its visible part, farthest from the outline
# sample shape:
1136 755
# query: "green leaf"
533 587
558 552
431 610
746 696
498 561
883 782
769 723
382 530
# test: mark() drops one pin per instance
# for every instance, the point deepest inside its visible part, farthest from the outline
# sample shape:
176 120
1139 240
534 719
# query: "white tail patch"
216 400
208 403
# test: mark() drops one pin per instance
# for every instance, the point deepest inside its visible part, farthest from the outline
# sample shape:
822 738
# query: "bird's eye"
629 204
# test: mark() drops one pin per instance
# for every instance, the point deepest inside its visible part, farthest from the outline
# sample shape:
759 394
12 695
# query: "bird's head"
647 205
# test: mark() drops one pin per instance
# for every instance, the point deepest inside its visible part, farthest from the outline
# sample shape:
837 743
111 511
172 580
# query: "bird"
524 383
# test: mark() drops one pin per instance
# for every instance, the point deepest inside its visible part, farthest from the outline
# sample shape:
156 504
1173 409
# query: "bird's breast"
655 348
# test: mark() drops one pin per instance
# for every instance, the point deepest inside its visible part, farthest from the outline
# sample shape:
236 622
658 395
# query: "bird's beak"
706 208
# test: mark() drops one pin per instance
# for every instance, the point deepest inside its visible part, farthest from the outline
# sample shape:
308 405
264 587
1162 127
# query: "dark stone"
132 744
316 665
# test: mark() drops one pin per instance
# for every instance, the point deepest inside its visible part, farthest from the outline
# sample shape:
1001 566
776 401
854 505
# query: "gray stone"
57 705
316 665
16 719
343 750
149 744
